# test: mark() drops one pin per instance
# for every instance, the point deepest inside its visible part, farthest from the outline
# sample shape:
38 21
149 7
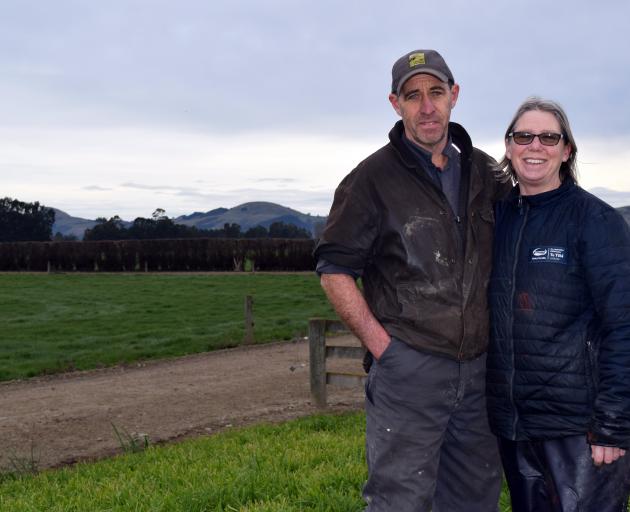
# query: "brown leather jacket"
423 281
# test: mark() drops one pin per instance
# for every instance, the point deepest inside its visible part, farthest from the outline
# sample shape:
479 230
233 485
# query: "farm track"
69 418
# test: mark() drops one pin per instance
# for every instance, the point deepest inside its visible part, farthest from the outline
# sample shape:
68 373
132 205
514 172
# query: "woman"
558 378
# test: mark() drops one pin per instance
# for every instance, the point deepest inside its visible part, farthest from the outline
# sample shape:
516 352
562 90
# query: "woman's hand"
605 454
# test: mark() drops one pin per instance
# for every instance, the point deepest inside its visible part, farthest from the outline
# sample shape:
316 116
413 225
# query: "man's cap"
416 62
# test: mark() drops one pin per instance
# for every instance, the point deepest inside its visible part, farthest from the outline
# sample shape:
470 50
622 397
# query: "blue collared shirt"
448 180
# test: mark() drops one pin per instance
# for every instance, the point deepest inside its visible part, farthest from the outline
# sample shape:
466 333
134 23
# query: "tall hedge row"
192 254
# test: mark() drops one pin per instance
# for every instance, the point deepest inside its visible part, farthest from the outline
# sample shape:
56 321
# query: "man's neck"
438 158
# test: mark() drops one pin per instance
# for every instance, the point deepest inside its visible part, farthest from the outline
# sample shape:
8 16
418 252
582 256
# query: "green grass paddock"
58 322
310 464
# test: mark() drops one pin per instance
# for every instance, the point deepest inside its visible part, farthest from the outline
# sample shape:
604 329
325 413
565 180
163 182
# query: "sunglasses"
546 139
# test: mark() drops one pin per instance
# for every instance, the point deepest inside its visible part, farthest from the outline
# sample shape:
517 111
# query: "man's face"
425 105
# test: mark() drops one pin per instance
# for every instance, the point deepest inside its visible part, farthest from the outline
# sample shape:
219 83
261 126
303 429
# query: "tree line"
20 221
160 227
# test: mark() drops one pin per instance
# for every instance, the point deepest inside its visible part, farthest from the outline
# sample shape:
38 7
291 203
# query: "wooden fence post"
317 359
248 338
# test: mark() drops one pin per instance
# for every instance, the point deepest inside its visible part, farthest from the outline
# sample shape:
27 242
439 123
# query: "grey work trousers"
428 443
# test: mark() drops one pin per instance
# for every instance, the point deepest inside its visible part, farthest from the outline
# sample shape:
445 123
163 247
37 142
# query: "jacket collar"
566 188
456 132
472 181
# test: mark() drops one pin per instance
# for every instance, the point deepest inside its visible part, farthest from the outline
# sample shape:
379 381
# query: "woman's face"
537 166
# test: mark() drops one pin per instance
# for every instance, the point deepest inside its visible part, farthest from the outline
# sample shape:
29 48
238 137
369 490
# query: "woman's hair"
568 168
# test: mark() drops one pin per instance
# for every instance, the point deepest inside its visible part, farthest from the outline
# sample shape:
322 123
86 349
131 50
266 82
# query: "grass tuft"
20 465
130 442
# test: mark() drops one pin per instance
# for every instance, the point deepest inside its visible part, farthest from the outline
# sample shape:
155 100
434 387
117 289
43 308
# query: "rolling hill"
247 215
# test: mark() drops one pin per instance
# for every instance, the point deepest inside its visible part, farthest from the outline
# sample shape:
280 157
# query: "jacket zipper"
465 203
513 293
462 251
445 207
458 221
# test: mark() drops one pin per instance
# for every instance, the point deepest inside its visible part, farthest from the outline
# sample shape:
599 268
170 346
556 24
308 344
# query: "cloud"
97 188
155 188
282 181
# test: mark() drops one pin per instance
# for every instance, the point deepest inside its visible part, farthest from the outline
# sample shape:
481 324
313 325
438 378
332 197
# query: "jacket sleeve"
606 257
352 225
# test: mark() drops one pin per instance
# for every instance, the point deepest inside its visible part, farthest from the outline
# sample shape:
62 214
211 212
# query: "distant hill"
246 215
199 216
68 225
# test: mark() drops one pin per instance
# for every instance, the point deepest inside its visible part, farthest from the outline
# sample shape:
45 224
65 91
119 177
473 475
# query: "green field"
59 322
311 464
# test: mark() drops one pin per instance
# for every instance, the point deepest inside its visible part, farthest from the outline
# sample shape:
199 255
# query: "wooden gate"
322 349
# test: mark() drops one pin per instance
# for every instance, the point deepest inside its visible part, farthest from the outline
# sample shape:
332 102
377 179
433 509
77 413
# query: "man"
415 221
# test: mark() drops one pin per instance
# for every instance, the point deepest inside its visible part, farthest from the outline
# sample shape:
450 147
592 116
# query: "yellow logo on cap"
416 59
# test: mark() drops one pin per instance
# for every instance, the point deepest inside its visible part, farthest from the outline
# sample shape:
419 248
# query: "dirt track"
68 418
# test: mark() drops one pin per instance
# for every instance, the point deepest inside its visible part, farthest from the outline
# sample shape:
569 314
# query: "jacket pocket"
592 370
574 265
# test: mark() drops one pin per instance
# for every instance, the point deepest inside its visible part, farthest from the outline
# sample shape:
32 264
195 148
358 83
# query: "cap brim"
425 71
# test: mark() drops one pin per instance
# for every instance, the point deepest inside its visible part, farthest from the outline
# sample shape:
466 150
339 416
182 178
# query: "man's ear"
454 95
393 99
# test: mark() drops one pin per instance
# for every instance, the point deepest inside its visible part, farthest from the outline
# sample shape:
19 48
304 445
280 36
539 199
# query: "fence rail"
320 350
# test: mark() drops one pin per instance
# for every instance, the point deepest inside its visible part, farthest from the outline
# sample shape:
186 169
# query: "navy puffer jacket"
559 356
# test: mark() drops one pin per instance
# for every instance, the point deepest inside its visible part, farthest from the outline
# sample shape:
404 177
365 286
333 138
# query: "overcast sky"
122 107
